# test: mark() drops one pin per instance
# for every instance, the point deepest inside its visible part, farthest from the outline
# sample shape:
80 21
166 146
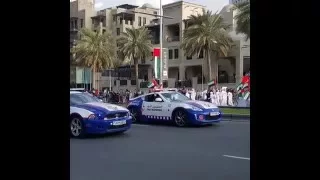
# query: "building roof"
147 5
127 6
180 2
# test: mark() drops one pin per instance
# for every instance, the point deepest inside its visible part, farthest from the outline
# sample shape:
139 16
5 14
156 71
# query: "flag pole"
161 31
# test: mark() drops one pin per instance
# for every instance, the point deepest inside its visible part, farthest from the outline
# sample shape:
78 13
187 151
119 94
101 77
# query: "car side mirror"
158 100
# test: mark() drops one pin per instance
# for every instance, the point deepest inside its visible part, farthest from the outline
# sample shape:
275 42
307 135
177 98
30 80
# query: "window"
118 31
176 53
81 23
139 21
71 23
144 21
189 57
170 53
76 24
155 12
200 55
103 31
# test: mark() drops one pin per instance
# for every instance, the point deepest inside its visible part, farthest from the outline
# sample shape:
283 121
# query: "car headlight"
195 108
92 117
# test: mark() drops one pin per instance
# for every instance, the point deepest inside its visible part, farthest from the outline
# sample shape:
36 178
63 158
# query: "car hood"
201 104
102 108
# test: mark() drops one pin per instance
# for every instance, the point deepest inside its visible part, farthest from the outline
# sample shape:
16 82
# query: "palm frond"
243 18
208 33
95 49
135 43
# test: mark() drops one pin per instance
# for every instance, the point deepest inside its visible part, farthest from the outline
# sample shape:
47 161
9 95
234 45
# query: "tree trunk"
137 73
93 77
216 66
209 65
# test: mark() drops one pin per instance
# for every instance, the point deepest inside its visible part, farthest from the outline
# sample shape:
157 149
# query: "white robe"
215 99
193 95
224 98
218 98
204 96
211 97
188 94
230 99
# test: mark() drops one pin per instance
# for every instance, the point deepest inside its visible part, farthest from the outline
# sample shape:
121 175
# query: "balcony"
173 38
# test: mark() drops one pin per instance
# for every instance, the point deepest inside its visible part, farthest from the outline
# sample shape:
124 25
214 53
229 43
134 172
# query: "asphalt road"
161 152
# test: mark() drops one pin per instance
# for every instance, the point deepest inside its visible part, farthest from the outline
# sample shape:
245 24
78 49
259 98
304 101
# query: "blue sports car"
88 115
173 106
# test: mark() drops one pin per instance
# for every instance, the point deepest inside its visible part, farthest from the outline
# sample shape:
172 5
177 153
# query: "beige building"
119 18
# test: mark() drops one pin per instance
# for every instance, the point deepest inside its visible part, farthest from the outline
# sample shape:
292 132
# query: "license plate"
214 113
118 123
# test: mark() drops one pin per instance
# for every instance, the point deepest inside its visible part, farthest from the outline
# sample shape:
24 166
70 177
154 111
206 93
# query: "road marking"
237 157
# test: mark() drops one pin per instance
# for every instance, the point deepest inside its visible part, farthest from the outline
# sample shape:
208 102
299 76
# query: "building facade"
182 68
81 12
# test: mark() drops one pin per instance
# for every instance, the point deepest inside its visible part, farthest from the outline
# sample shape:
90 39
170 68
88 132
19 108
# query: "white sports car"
88 115
173 106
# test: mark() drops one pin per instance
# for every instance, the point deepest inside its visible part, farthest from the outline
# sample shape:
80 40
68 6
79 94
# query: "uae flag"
152 84
213 82
157 63
239 87
246 95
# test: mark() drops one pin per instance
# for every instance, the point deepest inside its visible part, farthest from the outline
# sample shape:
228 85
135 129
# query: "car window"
149 98
175 97
75 99
81 98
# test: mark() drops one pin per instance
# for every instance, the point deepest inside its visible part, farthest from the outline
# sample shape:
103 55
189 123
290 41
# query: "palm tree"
95 50
243 18
207 34
135 44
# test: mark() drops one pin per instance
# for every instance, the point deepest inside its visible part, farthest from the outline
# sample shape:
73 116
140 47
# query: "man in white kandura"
224 97
218 97
193 94
230 99
211 97
188 93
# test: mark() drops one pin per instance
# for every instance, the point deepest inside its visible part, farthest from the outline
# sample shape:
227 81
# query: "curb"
231 117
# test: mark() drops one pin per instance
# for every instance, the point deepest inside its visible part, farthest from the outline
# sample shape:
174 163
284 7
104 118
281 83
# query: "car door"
151 109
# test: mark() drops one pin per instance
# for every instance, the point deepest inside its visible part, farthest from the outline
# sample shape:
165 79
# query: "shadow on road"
170 124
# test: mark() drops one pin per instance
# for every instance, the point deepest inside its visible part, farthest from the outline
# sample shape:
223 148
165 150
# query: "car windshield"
81 98
175 97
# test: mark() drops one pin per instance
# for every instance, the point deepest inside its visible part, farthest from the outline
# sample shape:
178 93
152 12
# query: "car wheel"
180 118
76 127
134 113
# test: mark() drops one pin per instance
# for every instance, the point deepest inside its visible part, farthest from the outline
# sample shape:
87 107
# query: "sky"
214 5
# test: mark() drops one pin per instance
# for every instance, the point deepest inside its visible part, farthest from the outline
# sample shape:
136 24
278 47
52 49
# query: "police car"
88 115
173 106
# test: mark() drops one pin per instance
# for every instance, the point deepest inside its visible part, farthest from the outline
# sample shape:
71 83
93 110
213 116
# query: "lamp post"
161 31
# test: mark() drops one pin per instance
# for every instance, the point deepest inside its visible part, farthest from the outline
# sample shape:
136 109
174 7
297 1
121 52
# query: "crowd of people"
114 97
218 96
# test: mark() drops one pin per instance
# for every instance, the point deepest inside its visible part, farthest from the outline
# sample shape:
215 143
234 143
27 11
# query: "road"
158 152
